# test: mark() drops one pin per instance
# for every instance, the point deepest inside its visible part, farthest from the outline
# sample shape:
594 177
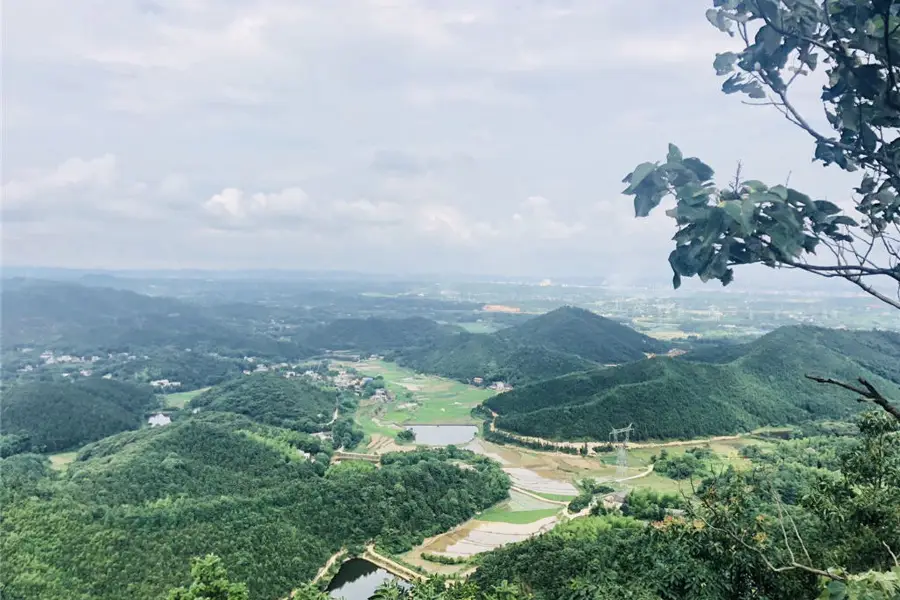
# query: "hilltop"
586 334
562 341
761 384
272 399
55 416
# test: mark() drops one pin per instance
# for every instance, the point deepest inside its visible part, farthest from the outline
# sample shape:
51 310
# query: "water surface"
444 435
357 580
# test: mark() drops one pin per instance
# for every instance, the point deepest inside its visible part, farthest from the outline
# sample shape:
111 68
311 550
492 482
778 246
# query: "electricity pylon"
621 449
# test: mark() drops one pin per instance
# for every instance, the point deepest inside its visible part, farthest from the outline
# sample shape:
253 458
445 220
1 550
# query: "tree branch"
867 392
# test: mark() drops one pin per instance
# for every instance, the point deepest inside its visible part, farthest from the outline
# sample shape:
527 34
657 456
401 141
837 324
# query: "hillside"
676 398
128 515
493 358
562 341
56 416
80 319
376 334
273 400
586 334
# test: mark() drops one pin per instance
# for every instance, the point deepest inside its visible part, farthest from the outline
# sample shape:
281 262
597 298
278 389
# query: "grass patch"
555 497
60 461
426 399
180 399
519 517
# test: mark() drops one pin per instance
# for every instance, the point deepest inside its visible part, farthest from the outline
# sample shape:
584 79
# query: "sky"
472 136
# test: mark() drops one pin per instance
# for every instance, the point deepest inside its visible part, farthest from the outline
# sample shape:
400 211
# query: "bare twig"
891 552
867 392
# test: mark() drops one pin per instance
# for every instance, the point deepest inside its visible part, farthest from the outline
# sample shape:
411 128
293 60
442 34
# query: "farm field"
180 399
61 460
419 399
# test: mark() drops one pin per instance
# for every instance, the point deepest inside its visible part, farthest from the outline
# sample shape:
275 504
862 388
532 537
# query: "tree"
209 581
406 435
750 222
746 222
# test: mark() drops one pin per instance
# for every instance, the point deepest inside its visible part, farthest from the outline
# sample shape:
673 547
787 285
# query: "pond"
444 435
357 580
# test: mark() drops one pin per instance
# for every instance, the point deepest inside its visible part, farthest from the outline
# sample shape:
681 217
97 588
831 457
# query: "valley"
388 440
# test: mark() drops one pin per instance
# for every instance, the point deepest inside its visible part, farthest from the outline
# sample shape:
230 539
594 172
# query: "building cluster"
165 384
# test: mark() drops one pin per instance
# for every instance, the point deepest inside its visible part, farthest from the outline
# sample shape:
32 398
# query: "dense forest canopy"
55 416
128 515
292 403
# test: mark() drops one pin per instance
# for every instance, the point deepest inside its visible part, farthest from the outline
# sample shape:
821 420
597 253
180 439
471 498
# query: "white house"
158 420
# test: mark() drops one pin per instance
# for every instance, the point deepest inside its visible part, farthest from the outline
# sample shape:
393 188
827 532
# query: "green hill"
375 334
272 399
493 358
562 341
56 416
128 515
679 398
584 333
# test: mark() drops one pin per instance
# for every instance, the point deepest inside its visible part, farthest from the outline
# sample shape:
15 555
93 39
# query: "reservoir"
357 580
444 435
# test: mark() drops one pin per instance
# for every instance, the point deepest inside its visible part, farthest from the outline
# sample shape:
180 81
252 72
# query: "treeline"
56 416
499 437
130 512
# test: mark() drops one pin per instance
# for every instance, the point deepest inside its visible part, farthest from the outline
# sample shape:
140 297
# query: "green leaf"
674 155
780 191
733 209
724 62
754 90
639 174
755 186
703 171
829 208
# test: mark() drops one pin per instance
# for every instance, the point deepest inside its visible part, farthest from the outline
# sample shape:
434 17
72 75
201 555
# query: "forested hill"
80 319
375 334
55 416
126 518
493 358
562 341
586 334
272 399
678 398
877 351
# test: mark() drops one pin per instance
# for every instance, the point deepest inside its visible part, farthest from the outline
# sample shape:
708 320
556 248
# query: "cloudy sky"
484 136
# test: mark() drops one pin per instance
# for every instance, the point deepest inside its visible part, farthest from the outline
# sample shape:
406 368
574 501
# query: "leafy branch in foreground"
750 222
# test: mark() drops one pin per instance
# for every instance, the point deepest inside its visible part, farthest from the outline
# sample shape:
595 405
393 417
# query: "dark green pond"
357 580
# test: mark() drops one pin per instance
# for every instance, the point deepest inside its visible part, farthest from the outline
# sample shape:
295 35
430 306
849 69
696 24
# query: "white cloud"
465 134
72 173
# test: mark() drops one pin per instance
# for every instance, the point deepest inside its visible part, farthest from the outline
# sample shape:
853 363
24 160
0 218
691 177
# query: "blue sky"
484 136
